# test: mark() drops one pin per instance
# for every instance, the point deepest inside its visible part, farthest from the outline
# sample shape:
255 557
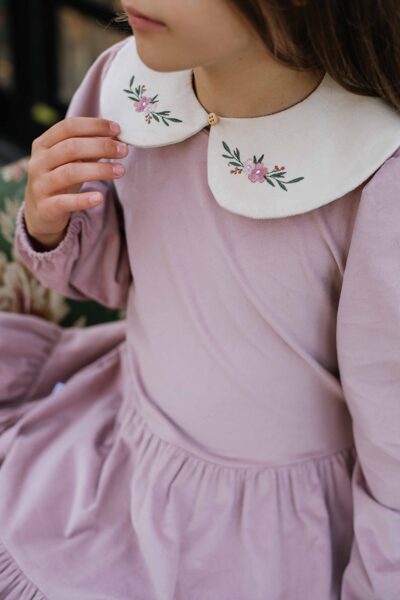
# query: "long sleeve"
92 261
368 344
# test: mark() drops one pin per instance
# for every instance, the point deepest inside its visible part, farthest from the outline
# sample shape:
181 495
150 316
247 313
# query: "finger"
71 174
84 149
68 203
75 127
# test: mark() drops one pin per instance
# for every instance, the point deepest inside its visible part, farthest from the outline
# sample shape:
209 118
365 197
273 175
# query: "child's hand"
61 160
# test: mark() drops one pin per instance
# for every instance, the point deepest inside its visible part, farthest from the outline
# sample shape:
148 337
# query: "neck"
251 85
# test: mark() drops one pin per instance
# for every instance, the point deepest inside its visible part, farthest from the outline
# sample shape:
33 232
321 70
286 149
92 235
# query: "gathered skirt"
96 506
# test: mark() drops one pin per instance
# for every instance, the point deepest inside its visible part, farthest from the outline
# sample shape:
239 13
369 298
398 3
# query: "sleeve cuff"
28 249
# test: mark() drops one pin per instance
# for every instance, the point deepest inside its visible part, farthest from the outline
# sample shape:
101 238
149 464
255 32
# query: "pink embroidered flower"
248 166
149 107
258 173
255 170
142 103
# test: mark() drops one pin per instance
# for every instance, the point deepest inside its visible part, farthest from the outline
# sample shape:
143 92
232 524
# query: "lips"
135 13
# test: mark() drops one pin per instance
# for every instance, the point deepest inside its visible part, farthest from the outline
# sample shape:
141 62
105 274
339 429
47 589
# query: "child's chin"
153 52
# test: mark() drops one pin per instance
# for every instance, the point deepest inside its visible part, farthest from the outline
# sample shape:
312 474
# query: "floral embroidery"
145 104
255 169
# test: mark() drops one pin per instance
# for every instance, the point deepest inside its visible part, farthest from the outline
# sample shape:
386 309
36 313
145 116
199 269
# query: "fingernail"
115 128
121 148
118 169
95 198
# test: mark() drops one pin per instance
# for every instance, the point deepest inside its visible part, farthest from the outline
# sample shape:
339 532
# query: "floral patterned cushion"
20 291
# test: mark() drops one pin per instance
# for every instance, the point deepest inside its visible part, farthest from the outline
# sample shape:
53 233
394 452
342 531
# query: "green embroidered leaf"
131 81
295 180
270 182
225 145
153 98
236 153
165 122
235 164
226 156
281 184
175 120
133 98
163 112
137 90
254 158
128 91
276 174
155 116
261 157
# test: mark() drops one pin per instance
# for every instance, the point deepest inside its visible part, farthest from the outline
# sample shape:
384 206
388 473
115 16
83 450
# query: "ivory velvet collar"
277 165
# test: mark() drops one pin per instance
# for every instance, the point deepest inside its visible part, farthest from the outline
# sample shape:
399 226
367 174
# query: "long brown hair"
356 41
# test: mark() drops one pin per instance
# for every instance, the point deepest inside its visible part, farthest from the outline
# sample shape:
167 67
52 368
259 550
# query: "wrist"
44 242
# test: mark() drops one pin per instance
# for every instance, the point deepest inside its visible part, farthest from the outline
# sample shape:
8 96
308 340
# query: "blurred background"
46 47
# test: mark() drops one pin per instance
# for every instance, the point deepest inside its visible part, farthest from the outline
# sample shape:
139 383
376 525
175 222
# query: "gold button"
212 119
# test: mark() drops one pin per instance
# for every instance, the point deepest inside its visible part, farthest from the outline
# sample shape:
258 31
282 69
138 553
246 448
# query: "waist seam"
136 414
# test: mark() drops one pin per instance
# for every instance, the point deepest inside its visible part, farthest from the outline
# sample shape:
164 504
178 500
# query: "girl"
237 436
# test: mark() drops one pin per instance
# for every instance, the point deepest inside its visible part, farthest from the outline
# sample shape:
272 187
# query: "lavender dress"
237 437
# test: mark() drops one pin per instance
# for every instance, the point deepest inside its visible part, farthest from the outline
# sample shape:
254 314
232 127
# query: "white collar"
327 144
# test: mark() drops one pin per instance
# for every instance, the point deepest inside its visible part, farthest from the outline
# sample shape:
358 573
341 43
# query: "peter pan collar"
277 165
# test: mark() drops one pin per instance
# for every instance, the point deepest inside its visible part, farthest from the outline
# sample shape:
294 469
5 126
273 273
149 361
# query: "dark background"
46 47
